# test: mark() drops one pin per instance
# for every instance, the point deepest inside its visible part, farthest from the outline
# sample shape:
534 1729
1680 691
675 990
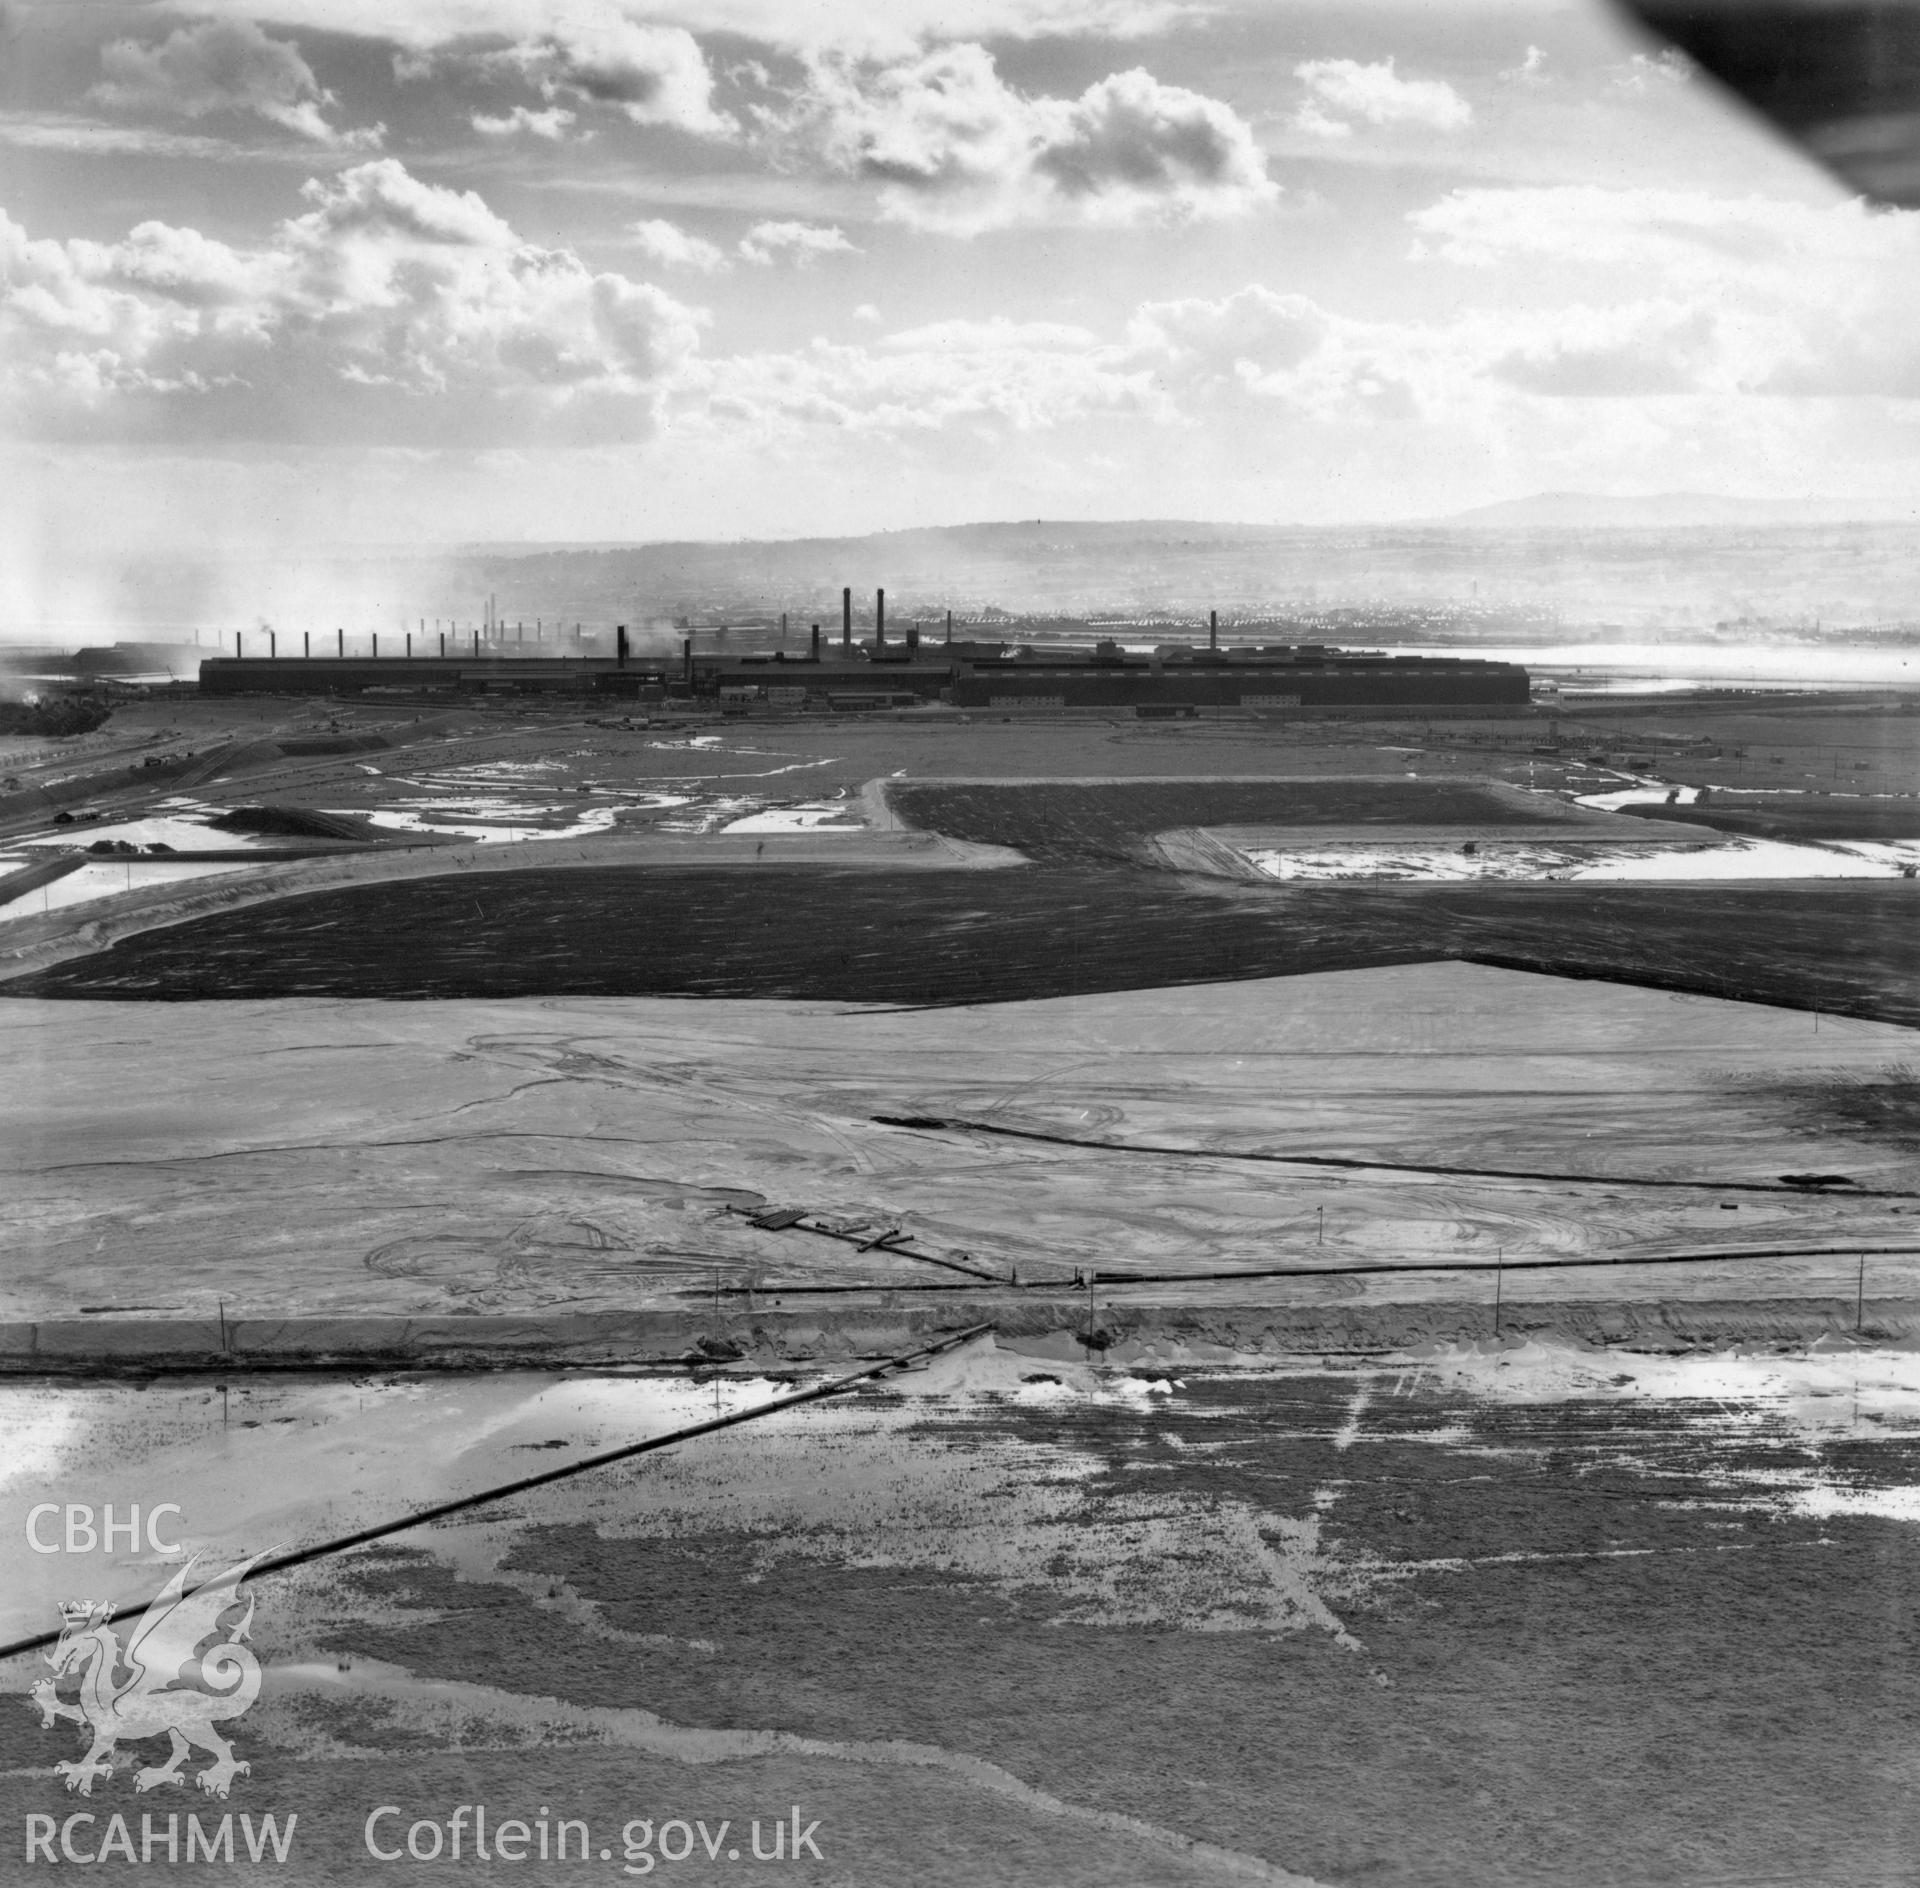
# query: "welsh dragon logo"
168 1682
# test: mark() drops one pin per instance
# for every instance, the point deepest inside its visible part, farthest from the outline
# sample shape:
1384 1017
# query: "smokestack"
620 645
686 656
949 626
846 622
236 645
342 634
783 629
306 643
815 657
1213 629
476 645
409 645
443 645
879 621
273 647
376 645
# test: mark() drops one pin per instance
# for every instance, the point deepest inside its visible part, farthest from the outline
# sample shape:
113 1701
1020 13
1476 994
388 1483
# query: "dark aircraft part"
1840 77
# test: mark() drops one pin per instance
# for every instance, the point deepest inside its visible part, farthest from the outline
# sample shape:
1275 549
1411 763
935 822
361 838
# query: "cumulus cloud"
1678 233
921 384
1255 329
551 124
671 247
954 148
594 54
799 243
222 66
1289 350
1532 69
894 30
1648 72
1261 358
390 309
1747 293
1339 91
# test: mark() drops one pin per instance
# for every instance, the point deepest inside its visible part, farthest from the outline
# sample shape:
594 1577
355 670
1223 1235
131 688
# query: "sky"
278 273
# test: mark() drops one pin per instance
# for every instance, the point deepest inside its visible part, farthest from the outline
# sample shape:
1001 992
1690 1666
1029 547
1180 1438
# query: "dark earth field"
1846 948
1422 1622
1069 820
1801 817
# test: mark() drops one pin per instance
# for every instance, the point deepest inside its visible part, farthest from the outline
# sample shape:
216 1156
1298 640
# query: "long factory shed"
875 671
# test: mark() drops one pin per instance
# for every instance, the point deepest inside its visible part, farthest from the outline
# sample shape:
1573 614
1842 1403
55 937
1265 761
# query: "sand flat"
417 1158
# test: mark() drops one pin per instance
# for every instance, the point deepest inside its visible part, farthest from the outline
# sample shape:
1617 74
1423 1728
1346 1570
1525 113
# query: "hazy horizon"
282 274
1463 581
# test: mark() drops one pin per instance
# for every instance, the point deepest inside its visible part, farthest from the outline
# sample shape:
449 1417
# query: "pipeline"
281 1563
1340 1162
1381 1268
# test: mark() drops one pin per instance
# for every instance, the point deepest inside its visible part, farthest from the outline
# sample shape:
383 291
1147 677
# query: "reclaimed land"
272 1178
1533 1619
1800 817
940 937
1095 819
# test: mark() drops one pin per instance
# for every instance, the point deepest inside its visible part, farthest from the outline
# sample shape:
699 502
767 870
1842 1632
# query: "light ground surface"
557 1157
1461 1616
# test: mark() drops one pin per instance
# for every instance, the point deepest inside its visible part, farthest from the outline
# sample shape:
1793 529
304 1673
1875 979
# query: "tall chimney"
306 642
476 645
236 645
342 634
846 622
273 646
816 643
443 645
949 626
1213 629
376 645
686 655
620 645
879 621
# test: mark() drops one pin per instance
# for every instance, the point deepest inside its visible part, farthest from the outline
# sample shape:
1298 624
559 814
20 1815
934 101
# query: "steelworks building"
878 673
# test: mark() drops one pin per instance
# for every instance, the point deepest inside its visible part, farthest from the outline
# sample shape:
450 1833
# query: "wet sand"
1460 1615
547 1164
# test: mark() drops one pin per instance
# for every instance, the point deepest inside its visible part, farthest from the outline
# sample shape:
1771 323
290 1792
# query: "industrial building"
846 675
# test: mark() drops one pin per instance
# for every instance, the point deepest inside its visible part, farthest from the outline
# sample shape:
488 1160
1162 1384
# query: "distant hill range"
1663 511
1669 562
